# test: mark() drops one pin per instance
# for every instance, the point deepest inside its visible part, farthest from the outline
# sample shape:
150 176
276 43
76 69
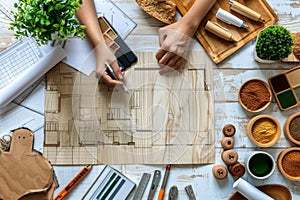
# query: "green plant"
274 43
42 19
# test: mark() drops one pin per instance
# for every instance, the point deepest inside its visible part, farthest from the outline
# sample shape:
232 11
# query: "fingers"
176 65
109 81
117 69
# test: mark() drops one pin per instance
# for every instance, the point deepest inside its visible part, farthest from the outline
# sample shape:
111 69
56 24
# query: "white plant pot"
258 59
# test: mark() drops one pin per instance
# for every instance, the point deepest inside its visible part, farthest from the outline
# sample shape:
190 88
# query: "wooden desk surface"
228 77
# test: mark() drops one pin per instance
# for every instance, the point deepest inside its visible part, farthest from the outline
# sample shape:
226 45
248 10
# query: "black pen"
114 76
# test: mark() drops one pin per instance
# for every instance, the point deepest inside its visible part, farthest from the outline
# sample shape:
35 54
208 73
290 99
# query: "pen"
83 172
114 76
230 18
243 10
164 183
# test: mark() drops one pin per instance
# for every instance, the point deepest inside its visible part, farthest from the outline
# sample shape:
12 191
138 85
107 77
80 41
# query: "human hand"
105 54
174 45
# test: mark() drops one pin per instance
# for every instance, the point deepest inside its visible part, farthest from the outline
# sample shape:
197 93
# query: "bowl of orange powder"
255 95
288 163
263 130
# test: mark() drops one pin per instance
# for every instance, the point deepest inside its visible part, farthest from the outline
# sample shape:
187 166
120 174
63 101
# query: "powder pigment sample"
264 130
291 163
254 95
295 128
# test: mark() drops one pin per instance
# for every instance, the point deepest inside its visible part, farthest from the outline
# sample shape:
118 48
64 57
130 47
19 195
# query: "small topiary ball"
274 43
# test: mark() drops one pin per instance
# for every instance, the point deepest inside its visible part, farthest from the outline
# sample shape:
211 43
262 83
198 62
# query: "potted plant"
273 44
44 19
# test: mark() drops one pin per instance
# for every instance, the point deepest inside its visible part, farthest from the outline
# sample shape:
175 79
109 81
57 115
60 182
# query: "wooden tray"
292 57
219 49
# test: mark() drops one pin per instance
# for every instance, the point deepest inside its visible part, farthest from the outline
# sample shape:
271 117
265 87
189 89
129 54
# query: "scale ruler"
6 11
138 195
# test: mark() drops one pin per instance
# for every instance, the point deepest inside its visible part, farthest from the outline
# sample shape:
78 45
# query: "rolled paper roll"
247 12
249 191
219 31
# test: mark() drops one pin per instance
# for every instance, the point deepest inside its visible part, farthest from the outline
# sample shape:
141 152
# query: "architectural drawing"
164 118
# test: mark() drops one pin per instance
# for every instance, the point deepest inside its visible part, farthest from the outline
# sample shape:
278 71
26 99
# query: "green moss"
274 43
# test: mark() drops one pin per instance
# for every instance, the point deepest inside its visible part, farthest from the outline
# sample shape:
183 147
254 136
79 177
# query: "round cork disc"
237 170
229 156
227 143
228 130
219 171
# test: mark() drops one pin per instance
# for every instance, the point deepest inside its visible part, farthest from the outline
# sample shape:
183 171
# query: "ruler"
6 11
138 195
154 184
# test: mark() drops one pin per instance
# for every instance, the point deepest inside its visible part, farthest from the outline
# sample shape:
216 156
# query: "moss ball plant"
274 43
42 19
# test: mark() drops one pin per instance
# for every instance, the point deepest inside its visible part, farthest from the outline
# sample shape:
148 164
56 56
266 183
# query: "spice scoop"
263 130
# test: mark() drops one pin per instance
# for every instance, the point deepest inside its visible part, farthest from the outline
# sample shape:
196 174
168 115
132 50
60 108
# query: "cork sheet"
164 119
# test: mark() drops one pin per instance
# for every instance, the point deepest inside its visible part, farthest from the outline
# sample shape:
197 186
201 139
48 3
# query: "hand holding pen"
111 73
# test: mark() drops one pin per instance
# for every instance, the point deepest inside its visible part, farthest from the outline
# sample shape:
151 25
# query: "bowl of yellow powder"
263 130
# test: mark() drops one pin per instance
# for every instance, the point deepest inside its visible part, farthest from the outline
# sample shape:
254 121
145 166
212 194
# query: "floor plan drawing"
164 118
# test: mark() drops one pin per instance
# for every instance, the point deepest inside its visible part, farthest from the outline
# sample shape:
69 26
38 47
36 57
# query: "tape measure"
6 11
138 195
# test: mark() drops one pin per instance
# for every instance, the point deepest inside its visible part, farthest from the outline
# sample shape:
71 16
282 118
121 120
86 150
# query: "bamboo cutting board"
219 49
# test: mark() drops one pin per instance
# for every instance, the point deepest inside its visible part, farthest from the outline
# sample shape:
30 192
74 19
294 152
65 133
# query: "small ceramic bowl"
254 99
263 130
288 163
260 165
292 128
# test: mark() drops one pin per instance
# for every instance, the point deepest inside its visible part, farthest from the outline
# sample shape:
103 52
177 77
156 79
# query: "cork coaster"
276 191
164 11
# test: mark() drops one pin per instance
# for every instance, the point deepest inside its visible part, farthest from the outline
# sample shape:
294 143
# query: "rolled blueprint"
249 191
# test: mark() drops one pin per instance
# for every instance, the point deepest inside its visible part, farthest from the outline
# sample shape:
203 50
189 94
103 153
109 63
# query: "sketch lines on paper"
164 118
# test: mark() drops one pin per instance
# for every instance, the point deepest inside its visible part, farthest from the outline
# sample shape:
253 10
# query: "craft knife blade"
190 192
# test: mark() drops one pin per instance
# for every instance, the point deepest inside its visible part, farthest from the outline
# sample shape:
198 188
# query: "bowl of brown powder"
255 95
292 128
288 163
263 130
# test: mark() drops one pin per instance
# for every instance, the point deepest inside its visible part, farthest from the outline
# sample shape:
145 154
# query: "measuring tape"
6 11
138 195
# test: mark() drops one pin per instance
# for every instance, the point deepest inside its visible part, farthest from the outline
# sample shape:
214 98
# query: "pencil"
164 183
83 172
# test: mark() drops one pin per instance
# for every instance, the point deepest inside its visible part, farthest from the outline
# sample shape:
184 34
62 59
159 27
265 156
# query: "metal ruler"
154 184
6 11
138 195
